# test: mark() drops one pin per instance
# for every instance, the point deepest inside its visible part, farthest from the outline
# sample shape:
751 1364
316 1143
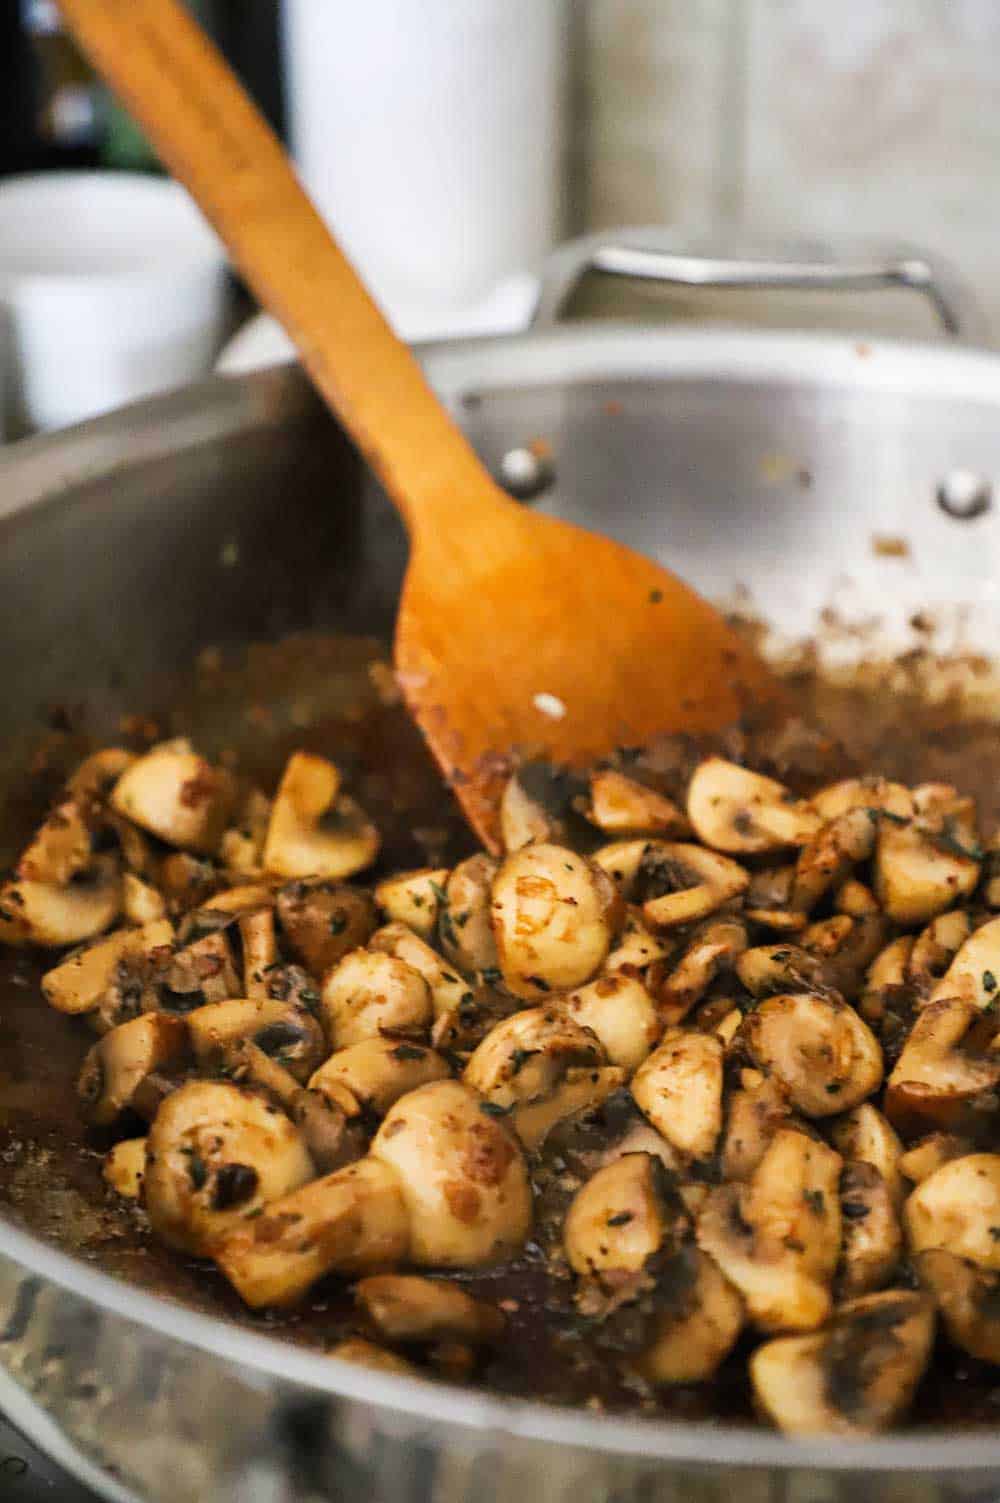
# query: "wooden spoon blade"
562 644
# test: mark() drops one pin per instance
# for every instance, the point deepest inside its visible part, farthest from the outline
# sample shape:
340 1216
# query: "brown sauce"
319 694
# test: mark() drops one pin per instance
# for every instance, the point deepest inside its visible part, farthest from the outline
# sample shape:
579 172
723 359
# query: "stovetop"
27 1476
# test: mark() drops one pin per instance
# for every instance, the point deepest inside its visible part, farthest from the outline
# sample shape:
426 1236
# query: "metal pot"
234 511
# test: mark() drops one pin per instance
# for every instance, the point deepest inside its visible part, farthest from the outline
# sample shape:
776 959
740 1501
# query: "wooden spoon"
516 633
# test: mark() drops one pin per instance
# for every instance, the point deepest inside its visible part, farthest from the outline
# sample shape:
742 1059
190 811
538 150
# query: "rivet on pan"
526 472
963 494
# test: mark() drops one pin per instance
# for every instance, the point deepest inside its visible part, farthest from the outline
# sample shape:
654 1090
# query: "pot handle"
655 255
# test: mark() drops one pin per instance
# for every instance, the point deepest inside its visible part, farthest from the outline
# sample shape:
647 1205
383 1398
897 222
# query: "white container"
113 287
430 135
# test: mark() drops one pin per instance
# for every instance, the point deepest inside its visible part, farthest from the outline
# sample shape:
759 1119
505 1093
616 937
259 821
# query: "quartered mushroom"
830 857
465 927
78 984
462 1175
369 993
867 1137
178 796
621 1012
523 820
448 989
777 1238
539 1066
315 830
948 1061
204 971
554 915
376 1072
125 1168
818 1047
928 1154
413 898
878 794
322 921
974 974
51 915
958 1208
699 1317
935 947
679 1088
215 1153
620 805
856 1376
968 1301
406 1308
288 1033
766 970
699 882
352 1221
636 947
116 1067
713 948
622 861
921 869
886 978
754 1114
61 847
735 810
620 1217
872 1235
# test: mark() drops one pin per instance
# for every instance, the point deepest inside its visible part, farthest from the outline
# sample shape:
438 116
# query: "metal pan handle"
655 255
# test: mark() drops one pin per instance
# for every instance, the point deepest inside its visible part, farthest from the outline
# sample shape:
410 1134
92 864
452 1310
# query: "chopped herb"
520 1058
814 1200
417 899
461 919
438 892
491 974
197 1171
834 1088
466 998
540 982
622 1219
252 1215
655 596
895 819
447 976
854 1210
408 1051
989 982
338 923
995 1233
494 1109
947 839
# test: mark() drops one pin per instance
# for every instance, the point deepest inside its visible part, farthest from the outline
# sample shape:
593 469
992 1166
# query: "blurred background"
453 143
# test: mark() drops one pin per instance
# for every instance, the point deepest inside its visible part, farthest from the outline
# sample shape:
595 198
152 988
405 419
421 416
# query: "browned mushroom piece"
735 810
60 848
755 1112
831 856
97 774
125 1168
376 1072
465 927
620 1217
52 915
697 881
621 806
825 1056
928 1154
622 861
621 1012
178 796
323 921
947 1062
769 969
922 868
448 988
78 984
241 848
679 1088
186 881
855 899
114 1069
974 973
539 1066
856 1376
875 793
886 979
204 971
369 1354
554 916
968 1300
677 985
872 1235
290 1034
958 1208
352 1221
769 897
699 1318
777 1238
260 950
141 902
215 1153
406 1308
315 830
866 1136
369 993
462 1175
523 820
934 949
637 947
846 946
413 898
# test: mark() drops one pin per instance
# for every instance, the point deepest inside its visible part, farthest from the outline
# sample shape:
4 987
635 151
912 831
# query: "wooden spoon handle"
213 138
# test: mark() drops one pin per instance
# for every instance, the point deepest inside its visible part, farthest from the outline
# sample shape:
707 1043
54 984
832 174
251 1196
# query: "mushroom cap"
41 913
974 973
369 1354
679 1088
620 805
703 881
916 878
314 829
413 898
288 1033
448 989
369 992
620 1011
378 1071
114 1069
947 1061
856 1376
735 810
176 795
462 1175
554 915
824 1054
620 1217
958 1208
214 1153
323 921
863 793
